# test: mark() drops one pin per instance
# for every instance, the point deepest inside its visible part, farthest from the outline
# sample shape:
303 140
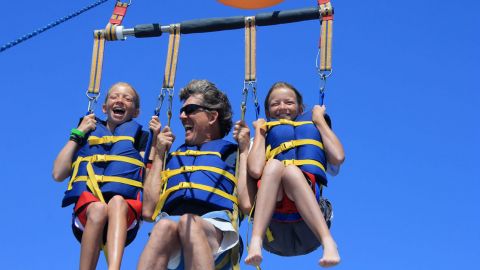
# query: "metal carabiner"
92 101
129 2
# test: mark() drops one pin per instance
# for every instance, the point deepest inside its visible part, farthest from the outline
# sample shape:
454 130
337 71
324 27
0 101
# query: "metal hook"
92 101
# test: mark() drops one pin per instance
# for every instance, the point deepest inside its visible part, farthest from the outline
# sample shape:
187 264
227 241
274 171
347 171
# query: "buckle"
187 169
287 145
288 162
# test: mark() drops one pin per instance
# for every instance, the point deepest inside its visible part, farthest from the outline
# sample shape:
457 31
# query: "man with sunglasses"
192 196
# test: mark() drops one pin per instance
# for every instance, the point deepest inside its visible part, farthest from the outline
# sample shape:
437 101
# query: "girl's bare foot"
254 256
330 253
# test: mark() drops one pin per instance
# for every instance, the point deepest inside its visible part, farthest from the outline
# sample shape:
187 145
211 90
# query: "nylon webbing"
97 63
119 12
172 57
325 45
250 49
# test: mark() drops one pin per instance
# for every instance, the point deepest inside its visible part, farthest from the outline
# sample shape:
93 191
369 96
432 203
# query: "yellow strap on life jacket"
286 122
195 153
289 145
106 158
186 169
93 184
189 185
105 179
100 158
94 140
303 162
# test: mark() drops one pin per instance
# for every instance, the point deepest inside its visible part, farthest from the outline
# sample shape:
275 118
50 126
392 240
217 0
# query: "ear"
104 108
212 117
136 113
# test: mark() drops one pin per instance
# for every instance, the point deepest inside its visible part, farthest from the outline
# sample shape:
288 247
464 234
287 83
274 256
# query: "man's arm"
152 185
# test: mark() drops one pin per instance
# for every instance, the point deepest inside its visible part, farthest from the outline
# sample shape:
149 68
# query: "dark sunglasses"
191 108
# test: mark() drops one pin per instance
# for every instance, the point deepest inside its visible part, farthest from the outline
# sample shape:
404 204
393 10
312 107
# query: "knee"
188 225
162 228
292 172
118 204
97 213
272 168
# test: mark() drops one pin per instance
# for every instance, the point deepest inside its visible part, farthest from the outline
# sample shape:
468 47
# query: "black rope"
49 26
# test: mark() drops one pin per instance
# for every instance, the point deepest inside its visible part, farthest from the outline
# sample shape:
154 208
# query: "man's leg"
199 238
163 242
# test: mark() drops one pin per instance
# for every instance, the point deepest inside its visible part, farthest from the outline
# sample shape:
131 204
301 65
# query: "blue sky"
404 99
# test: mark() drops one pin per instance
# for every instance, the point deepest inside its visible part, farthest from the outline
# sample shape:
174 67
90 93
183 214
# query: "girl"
299 146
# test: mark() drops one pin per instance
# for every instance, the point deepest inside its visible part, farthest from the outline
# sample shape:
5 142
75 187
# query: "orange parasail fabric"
250 4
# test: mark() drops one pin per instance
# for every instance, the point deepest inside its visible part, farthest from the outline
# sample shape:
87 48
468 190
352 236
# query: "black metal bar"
229 23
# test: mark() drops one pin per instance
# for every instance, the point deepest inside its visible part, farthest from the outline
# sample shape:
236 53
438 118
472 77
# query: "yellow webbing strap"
195 153
172 57
102 158
326 10
186 169
271 124
250 49
289 145
189 185
105 179
303 162
97 63
93 184
107 158
94 140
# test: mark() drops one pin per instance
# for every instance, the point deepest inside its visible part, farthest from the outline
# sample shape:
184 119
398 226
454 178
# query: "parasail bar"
230 23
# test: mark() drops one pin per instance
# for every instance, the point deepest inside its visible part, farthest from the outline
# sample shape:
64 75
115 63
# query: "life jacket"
297 142
199 174
107 164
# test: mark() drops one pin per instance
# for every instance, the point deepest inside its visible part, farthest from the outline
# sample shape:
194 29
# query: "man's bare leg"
199 238
163 242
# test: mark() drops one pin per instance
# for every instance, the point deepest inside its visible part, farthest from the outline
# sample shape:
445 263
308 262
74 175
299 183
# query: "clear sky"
404 99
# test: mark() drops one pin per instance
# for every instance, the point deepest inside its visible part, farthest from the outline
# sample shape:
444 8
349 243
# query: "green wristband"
77 132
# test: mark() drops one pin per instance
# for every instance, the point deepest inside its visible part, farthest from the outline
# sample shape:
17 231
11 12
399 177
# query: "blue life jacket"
298 142
200 175
107 164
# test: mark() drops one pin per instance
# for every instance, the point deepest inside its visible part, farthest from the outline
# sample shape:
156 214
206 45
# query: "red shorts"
80 211
287 206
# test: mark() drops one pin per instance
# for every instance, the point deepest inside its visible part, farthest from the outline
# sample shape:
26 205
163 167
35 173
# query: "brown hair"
136 100
277 85
213 99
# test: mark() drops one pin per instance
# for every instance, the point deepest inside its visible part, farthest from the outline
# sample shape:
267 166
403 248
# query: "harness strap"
97 63
106 158
189 185
286 122
195 153
119 12
172 56
250 49
106 179
303 162
94 140
325 45
289 145
187 169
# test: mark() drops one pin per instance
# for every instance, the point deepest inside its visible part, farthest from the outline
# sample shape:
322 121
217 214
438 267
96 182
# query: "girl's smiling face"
283 104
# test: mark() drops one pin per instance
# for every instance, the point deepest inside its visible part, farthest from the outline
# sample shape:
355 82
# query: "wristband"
76 138
77 132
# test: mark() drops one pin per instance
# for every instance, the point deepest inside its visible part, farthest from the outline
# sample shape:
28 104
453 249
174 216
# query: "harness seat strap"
189 185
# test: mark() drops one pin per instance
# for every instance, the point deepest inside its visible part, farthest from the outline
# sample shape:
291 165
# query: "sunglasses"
191 108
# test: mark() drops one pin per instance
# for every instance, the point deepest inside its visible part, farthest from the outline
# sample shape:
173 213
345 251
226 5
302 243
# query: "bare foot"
330 253
254 256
